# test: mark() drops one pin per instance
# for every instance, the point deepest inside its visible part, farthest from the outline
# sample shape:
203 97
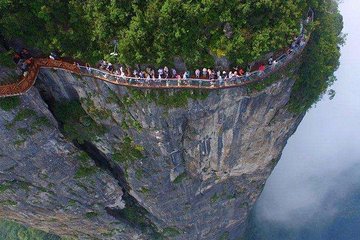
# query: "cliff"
153 167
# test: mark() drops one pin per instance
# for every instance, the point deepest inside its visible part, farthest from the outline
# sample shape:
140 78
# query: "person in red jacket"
262 68
241 72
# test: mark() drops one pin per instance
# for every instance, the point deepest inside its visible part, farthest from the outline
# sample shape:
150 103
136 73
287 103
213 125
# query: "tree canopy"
155 31
320 59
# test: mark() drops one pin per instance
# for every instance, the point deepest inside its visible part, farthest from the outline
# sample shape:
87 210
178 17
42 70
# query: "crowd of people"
148 74
165 72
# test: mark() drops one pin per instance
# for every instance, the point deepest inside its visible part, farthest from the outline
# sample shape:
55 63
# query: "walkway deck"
26 82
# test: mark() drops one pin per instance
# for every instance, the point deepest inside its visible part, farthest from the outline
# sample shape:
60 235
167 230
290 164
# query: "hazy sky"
320 165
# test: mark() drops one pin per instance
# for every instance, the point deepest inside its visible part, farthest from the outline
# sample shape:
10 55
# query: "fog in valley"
314 191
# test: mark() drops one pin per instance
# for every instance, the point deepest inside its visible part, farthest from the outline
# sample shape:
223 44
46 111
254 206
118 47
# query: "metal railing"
27 81
193 83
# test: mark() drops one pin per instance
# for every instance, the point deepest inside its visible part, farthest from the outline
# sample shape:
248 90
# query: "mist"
318 175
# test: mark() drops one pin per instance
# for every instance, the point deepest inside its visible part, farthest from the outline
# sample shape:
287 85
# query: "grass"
144 190
139 174
84 172
14 231
18 143
102 114
215 198
8 203
137 216
40 122
128 152
71 202
9 103
24 132
91 214
24 185
4 186
124 125
180 178
225 236
83 157
171 232
24 114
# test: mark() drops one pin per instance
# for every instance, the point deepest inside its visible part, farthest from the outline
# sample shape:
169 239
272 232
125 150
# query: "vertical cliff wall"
47 183
188 172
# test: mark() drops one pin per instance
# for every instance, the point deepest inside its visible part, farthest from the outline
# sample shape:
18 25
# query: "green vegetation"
135 215
24 132
144 190
155 31
4 186
83 157
40 122
214 198
180 178
24 185
84 172
71 202
288 71
171 232
20 116
102 114
91 214
139 173
86 169
9 103
24 114
7 203
128 152
77 124
225 236
13 231
6 58
320 59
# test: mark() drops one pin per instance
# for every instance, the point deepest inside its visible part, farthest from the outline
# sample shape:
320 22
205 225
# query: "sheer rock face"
38 183
204 165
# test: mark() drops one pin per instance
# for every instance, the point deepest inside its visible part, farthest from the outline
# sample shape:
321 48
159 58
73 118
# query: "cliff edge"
150 168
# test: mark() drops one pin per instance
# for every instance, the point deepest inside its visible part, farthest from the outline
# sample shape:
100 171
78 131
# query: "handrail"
190 83
28 80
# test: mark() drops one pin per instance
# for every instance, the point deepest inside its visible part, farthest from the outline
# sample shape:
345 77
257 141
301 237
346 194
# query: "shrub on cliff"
12 230
320 59
9 103
76 124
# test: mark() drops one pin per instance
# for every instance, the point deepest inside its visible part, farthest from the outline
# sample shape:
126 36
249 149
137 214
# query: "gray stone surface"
37 173
204 165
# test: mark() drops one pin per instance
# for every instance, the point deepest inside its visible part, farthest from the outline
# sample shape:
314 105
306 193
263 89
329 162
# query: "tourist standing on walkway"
197 73
204 72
